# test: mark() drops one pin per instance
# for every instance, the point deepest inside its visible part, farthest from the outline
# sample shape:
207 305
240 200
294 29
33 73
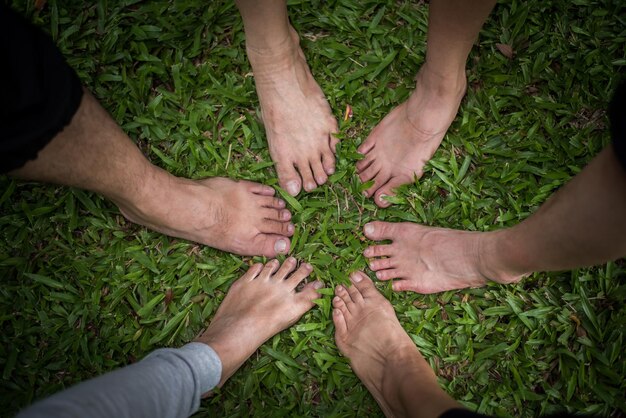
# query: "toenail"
381 197
280 246
310 186
280 203
318 284
336 299
356 277
292 188
284 215
290 228
378 274
308 266
291 260
365 193
331 170
320 180
367 252
369 229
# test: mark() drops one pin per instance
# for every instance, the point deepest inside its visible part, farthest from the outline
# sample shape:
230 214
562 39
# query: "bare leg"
381 353
260 304
399 146
580 225
93 153
298 120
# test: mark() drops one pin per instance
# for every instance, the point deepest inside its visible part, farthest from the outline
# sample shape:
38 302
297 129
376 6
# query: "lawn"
84 291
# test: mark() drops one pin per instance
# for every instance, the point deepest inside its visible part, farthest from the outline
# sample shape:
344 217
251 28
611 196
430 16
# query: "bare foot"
431 260
400 145
297 117
263 302
381 353
235 216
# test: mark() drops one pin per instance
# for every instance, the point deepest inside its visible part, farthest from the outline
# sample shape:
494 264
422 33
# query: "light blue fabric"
167 383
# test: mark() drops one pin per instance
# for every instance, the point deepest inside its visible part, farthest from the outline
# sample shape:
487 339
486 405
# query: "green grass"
84 291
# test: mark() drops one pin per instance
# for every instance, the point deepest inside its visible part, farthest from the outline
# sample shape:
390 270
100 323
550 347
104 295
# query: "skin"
93 153
382 354
581 225
263 302
397 149
298 120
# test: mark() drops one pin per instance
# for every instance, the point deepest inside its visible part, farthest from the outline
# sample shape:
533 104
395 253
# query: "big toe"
379 230
269 245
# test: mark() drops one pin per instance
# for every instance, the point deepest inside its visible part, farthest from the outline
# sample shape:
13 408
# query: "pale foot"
234 216
298 120
263 302
431 260
382 355
400 145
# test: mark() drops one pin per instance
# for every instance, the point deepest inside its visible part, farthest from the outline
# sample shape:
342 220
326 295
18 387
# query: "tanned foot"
382 355
297 117
240 217
430 260
263 302
400 145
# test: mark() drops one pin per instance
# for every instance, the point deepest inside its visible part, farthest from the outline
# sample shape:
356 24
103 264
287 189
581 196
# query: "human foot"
430 260
263 302
381 353
400 145
298 120
234 216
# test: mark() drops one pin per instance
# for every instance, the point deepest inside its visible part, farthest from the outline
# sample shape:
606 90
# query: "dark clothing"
617 116
40 92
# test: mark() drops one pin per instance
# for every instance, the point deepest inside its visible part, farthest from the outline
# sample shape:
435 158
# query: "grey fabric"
167 383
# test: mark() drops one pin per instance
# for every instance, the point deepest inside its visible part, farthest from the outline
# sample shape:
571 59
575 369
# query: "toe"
269 269
365 162
252 272
333 141
269 245
341 327
381 178
382 264
277 227
260 189
369 173
294 280
387 190
288 178
388 274
403 286
340 304
307 176
355 294
318 172
328 162
310 292
287 267
365 285
271 202
379 251
367 146
378 230
343 293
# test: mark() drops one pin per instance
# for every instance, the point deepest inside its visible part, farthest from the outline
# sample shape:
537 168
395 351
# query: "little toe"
378 230
382 264
403 286
260 189
318 172
269 269
388 274
367 146
387 190
303 271
288 266
252 272
333 141
288 178
328 162
307 176
277 227
341 327
310 292
379 251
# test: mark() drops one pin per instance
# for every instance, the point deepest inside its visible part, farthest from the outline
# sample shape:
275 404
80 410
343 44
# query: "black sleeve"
40 93
617 117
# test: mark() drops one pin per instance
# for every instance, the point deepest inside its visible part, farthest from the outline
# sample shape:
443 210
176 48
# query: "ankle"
496 257
449 82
